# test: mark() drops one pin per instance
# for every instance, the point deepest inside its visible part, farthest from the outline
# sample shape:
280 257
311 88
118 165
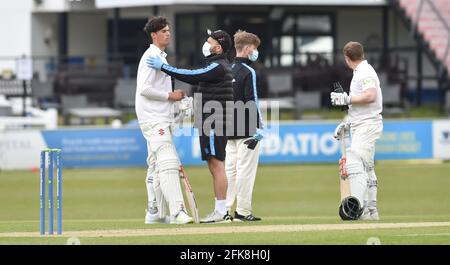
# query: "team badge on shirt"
369 82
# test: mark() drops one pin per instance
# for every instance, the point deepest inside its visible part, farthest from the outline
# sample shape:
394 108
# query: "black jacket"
214 83
245 91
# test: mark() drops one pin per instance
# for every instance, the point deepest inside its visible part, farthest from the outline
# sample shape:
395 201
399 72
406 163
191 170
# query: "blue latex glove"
154 62
259 135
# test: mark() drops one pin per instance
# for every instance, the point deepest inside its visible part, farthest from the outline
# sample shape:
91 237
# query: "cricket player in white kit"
365 123
155 113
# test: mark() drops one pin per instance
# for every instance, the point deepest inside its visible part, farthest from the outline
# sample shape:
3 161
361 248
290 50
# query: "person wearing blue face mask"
242 150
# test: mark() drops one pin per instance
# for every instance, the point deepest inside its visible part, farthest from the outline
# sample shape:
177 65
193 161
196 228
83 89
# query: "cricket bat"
190 195
345 183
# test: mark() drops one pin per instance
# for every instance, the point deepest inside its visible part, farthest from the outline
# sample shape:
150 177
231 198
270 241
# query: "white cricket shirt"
364 77
155 105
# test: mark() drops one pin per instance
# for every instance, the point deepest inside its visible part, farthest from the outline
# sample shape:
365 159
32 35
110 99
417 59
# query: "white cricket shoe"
374 214
181 218
216 217
365 215
370 215
152 217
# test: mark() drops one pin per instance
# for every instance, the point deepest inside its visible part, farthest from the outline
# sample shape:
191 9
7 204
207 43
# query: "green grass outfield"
298 204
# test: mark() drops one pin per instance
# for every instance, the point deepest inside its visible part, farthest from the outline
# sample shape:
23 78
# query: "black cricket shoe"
245 218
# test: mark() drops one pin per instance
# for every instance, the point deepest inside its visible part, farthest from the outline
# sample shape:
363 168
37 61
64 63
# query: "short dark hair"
155 24
222 38
354 51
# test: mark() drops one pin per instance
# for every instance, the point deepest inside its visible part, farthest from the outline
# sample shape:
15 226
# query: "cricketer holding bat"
215 87
365 123
242 149
155 112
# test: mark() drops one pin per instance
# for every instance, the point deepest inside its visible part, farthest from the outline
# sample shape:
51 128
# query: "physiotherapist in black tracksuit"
215 86
242 149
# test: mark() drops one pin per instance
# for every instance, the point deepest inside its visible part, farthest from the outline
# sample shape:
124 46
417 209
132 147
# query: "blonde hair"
354 51
243 38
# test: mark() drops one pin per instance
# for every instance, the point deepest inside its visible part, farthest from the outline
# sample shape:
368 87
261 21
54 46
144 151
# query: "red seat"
433 29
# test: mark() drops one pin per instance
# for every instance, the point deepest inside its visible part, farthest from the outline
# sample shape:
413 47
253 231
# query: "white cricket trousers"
363 140
163 179
241 164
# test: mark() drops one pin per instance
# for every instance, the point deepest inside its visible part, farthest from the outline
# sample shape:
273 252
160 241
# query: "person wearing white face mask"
242 149
215 86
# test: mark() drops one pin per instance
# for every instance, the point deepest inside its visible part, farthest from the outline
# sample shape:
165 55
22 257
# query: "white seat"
73 101
77 106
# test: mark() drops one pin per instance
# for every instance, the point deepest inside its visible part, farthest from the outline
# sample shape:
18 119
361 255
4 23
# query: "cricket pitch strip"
217 229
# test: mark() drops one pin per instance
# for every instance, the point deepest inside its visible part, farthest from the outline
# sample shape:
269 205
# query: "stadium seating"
73 101
78 106
433 23
5 108
43 94
97 82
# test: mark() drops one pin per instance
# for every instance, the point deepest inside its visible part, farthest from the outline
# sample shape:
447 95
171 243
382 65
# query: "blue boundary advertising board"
291 142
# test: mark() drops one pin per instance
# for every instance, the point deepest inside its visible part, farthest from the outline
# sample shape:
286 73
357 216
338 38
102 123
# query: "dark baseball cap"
222 38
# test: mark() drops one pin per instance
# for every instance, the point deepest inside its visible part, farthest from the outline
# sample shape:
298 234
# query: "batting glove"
154 62
186 106
342 126
185 109
340 99
186 103
252 142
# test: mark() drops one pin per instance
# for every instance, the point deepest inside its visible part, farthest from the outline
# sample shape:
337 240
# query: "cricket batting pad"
167 164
